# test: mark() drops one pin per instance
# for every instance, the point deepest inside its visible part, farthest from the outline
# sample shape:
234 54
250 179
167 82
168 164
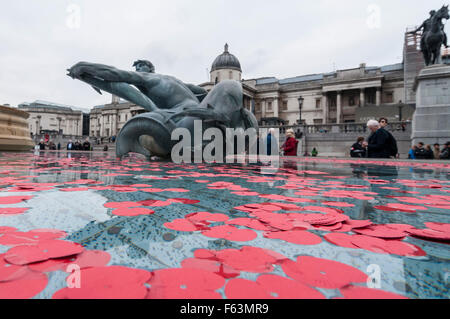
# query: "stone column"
275 107
325 107
378 97
113 124
103 125
362 98
263 108
339 107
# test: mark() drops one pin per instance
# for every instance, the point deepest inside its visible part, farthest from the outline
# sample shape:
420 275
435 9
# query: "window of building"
351 101
230 75
258 107
269 106
285 105
318 121
389 97
318 103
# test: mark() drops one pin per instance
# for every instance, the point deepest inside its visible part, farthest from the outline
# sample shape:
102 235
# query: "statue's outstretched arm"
106 73
123 90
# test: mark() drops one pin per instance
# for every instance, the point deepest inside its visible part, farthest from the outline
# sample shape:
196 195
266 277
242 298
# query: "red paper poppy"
250 259
356 292
155 203
249 222
121 204
182 224
88 258
428 234
13 199
5 229
230 233
270 287
206 216
112 282
31 237
299 237
10 272
183 201
445 228
185 283
322 273
381 231
74 189
13 210
176 190
211 266
132 211
338 204
24 287
341 240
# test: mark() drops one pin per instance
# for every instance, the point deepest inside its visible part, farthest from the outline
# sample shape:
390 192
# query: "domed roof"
226 61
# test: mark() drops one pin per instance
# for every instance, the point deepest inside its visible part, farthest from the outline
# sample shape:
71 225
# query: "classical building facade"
338 97
48 117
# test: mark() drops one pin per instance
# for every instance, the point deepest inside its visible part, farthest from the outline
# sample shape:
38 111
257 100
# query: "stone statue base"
431 122
14 131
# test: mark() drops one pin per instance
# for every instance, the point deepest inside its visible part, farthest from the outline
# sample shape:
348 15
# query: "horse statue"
433 36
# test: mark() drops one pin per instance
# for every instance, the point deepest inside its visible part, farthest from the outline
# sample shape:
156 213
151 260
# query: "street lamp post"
300 105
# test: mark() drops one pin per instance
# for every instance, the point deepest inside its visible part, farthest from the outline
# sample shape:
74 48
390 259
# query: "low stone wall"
14 131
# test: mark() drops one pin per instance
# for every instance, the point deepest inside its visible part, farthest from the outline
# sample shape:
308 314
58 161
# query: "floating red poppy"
31 237
342 240
356 292
185 283
132 211
299 237
230 233
322 273
41 251
182 224
155 203
250 259
211 266
121 204
201 217
183 201
88 258
12 210
13 199
381 231
25 287
248 222
338 204
111 282
270 287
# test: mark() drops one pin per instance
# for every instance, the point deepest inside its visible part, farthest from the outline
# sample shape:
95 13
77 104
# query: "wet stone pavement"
76 225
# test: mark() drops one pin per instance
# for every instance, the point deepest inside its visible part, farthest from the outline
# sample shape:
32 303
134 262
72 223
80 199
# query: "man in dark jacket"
445 153
393 150
420 152
377 146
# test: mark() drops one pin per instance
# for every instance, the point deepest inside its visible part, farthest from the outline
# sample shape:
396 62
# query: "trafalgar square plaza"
222 150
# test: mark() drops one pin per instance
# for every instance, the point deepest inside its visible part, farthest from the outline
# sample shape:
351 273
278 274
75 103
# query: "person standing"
377 144
358 150
314 152
86 145
429 152
420 152
445 153
391 140
290 145
41 145
70 146
436 151
412 152
271 140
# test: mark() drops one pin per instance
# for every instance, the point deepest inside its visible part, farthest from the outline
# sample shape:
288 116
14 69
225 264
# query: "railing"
345 128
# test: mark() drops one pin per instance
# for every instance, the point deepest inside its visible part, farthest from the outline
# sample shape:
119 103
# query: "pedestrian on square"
420 152
411 153
70 146
51 146
391 140
59 146
436 151
358 150
377 144
86 145
290 145
445 153
429 152
41 145
271 140
314 152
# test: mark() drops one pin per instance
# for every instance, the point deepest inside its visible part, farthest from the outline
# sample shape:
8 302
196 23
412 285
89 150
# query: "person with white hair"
290 146
377 145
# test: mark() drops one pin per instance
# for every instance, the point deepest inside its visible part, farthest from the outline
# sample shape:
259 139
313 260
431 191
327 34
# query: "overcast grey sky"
40 39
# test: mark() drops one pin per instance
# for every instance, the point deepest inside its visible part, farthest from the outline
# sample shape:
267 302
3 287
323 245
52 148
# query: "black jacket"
378 145
357 150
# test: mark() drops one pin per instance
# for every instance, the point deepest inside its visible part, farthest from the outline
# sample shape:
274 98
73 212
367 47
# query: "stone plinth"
14 131
431 122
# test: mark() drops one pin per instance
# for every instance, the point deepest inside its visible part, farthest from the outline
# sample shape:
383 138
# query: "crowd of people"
422 151
71 146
